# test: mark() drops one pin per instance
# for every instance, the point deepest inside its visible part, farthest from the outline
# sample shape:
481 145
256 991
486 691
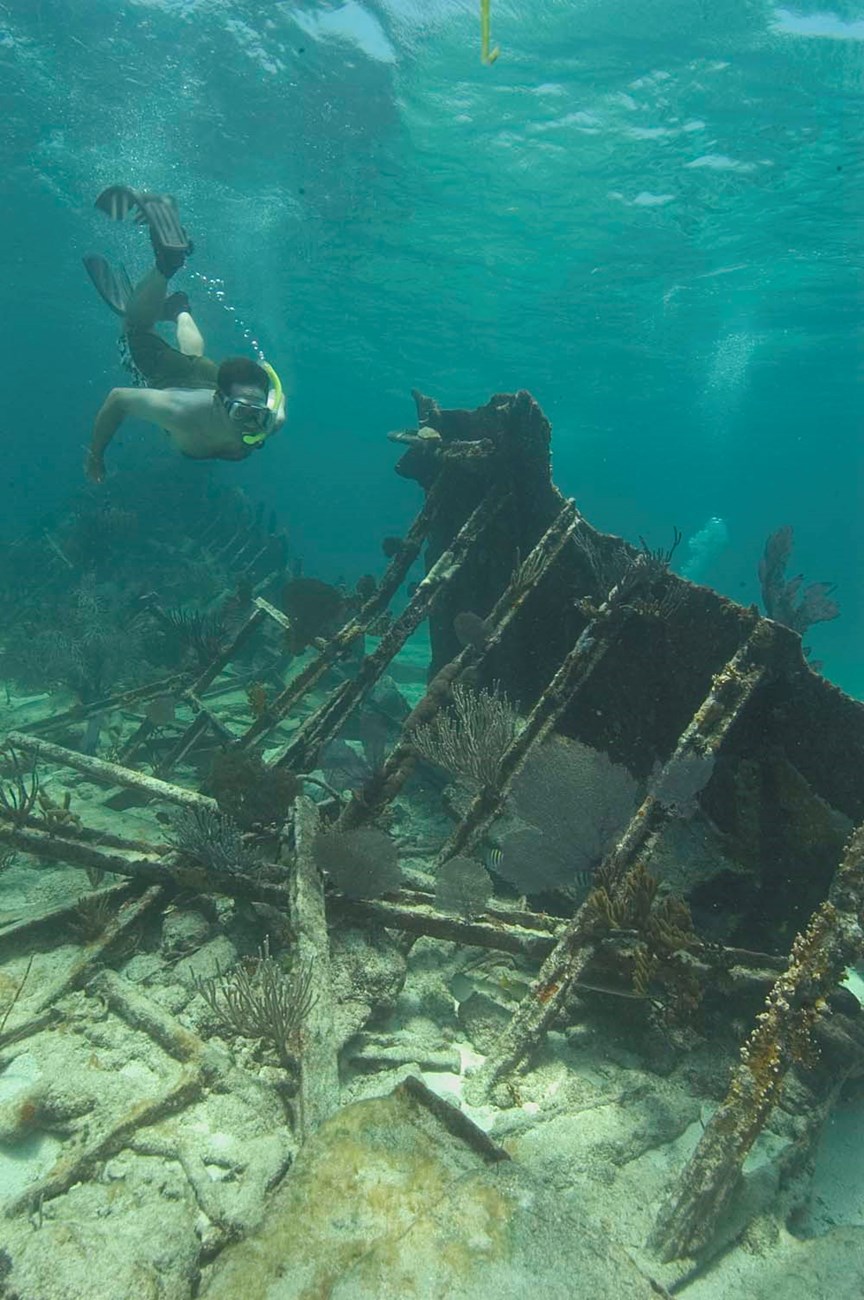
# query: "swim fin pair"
115 288
171 246
159 213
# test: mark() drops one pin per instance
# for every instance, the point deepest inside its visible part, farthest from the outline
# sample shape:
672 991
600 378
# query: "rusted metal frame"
237 683
227 652
425 919
383 786
108 773
338 645
192 690
730 694
533 936
322 725
249 566
76 1168
52 921
412 543
198 727
832 942
243 528
238 566
78 971
81 712
166 868
204 717
216 725
318 1095
272 612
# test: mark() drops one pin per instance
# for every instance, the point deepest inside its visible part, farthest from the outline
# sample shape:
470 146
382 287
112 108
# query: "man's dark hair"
240 370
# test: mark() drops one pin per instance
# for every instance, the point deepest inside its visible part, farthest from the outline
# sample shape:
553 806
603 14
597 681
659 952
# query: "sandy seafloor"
213 1198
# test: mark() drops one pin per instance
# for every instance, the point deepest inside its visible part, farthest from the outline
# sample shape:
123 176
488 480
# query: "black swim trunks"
155 364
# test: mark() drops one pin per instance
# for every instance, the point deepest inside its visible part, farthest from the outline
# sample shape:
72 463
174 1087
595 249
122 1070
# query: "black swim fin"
159 213
113 287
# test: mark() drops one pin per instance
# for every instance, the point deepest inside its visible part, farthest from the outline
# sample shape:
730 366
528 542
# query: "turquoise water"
646 214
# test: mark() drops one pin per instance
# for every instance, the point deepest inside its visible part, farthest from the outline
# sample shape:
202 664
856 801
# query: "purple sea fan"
678 784
575 802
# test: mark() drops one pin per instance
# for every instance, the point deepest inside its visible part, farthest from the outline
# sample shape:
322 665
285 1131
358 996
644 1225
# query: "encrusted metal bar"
53 920
832 942
140 1012
167 868
109 773
319 1065
731 691
575 671
227 653
191 691
302 749
216 725
140 735
78 971
71 830
336 647
386 783
198 727
123 700
519 938
272 612
70 1170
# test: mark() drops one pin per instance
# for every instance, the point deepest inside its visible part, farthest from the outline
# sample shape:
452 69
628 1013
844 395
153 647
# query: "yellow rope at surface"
486 55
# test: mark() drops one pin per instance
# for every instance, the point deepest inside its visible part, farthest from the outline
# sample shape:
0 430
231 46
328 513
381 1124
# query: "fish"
581 880
162 710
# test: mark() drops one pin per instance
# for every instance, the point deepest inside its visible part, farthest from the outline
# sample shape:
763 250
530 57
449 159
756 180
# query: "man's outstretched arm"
145 403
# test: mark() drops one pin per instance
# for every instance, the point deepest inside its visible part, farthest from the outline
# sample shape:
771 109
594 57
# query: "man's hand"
95 467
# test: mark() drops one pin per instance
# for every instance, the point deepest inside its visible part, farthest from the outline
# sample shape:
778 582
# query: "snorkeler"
209 411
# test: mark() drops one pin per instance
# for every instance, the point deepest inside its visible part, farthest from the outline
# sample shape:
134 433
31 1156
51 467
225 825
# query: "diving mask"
258 419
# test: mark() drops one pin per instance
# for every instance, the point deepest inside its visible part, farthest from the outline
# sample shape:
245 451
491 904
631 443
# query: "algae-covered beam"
832 942
731 691
321 726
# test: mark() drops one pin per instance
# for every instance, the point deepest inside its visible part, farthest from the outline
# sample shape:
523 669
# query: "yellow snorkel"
274 406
